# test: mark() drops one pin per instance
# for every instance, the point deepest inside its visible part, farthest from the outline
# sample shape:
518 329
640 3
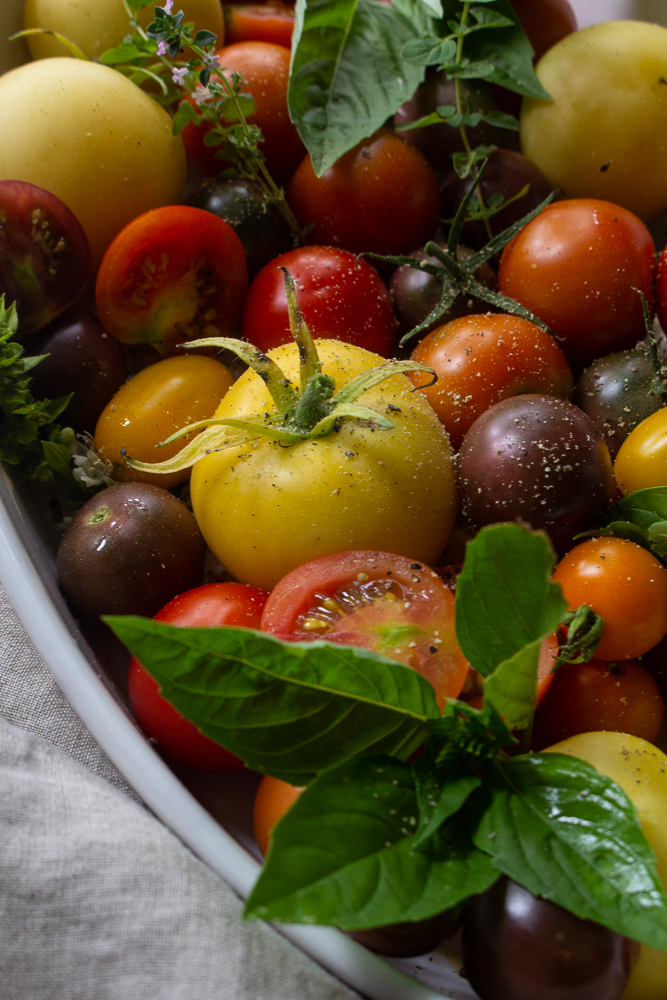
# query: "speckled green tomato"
604 134
642 458
641 771
265 509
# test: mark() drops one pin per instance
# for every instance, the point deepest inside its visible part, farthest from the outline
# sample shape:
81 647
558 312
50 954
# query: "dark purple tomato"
507 173
519 947
82 359
416 293
410 939
44 254
128 551
537 459
615 392
438 142
263 232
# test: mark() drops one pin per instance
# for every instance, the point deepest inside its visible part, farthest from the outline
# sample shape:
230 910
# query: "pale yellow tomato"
641 771
265 508
604 135
98 25
88 135
642 458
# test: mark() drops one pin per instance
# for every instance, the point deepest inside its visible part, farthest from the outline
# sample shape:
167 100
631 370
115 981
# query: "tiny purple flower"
201 95
211 59
162 48
179 75
168 6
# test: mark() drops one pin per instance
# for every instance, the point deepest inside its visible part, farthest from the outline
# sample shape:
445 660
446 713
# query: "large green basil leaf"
288 709
562 830
640 517
344 854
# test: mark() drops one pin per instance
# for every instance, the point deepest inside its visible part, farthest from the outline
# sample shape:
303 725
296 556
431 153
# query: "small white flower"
162 48
201 95
168 6
179 75
212 59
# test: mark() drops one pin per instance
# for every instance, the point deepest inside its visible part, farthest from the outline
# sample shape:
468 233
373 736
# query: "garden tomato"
265 509
480 360
272 800
579 267
388 603
265 70
174 274
156 402
661 289
584 697
623 583
642 458
341 297
545 23
382 196
473 689
270 22
209 606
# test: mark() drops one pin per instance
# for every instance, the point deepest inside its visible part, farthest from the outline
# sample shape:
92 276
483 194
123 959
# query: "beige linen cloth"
98 900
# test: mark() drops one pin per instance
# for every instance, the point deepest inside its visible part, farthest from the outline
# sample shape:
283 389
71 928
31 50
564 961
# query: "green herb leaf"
125 52
185 114
440 794
343 854
204 38
429 51
348 74
563 831
640 517
289 709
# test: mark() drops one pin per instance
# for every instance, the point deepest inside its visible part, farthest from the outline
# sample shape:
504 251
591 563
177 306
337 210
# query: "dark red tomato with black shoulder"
210 606
269 22
173 274
341 297
44 254
392 605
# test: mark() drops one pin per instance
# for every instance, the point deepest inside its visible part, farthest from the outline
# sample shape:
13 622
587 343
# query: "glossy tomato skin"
642 458
341 297
482 359
518 946
265 71
577 267
271 22
623 583
381 196
545 23
174 274
45 257
661 288
375 600
159 400
265 509
272 800
210 606
584 697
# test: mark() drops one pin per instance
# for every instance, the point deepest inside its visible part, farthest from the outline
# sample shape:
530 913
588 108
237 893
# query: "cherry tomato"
579 267
210 606
642 458
623 583
271 22
661 288
341 297
381 196
156 402
473 690
272 800
618 696
480 360
546 22
265 70
387 603
174 274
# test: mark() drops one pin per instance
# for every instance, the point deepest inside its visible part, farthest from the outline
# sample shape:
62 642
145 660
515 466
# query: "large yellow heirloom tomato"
98 25
86 133
642 458
266 508
641 771
604 135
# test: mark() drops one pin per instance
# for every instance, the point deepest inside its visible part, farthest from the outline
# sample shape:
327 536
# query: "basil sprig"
640 517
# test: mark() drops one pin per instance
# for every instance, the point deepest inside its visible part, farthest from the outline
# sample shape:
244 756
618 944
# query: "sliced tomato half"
387 603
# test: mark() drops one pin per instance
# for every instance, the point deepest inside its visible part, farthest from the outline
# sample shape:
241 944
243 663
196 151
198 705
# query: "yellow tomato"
641 771
604 135
151 406
86 133
265 509
98 25
642 458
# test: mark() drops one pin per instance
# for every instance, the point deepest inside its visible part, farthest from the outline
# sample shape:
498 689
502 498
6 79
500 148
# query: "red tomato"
341 297
623 583
393 605
577 266
265 70
381 196
661 288
174 274
272 800
480 360
548 654
209 606
599 695
271 22
545 22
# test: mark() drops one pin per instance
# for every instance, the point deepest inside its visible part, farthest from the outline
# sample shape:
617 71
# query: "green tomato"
90 136
604 135
641 771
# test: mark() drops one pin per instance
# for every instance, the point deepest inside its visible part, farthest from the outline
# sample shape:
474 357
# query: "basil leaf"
125 52
640 517
563 831
348 74
344 855
288 709
512 687
440 794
